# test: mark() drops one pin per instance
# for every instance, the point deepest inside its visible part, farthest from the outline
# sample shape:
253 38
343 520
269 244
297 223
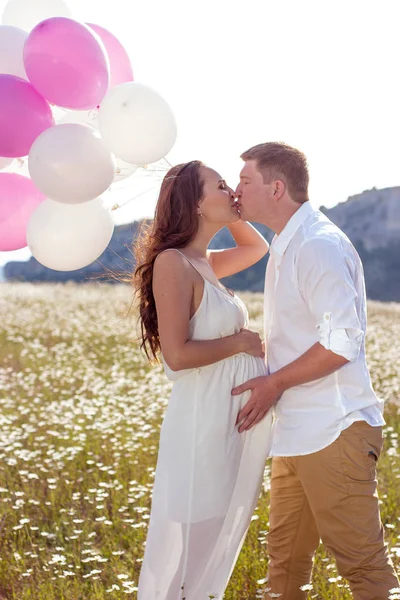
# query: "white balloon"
5 162
12 40
68 237
69 163
136 123
28 13
89 118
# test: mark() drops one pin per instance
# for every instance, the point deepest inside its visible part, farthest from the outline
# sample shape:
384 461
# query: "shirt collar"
281 242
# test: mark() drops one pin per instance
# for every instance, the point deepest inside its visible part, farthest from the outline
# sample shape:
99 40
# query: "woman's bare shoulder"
171 263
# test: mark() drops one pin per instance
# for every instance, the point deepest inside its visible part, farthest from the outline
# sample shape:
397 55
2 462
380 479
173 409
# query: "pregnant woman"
208 475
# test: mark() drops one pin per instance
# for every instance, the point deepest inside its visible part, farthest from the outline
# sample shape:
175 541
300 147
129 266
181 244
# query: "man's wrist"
279 381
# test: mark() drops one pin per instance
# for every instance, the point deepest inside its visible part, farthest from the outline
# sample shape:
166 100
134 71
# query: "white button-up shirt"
315 292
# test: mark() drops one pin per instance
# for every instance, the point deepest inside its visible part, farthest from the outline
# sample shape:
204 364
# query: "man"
328 420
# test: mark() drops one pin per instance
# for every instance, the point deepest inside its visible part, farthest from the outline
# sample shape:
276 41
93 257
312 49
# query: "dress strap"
188 260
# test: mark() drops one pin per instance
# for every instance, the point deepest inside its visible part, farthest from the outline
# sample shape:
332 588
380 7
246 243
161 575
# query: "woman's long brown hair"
175 225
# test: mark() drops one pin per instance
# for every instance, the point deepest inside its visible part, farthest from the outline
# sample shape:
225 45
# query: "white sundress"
208 475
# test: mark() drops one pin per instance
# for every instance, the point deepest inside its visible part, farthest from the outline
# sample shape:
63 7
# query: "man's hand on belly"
317 362
264 394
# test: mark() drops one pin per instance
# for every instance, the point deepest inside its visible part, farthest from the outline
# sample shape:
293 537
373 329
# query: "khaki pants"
332 495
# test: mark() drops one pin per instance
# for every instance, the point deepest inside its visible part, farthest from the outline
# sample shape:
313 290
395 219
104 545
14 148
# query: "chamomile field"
80 414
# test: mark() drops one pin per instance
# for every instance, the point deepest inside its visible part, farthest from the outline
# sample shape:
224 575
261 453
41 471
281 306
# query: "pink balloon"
18 200
67 63
120 64
24 115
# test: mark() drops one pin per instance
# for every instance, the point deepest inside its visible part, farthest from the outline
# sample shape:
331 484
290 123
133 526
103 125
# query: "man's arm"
317 362
314 364
325 281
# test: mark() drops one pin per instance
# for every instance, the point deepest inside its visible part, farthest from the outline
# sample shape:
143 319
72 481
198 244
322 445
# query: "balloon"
67 63
67 237
137 124
69 163
28 13
12 40
18 199
24 115
120 65
5 162
89 118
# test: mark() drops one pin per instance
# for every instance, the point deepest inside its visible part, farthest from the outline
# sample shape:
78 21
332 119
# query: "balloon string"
116 206
158 169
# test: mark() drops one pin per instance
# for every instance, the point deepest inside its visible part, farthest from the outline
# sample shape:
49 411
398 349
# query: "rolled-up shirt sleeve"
326 282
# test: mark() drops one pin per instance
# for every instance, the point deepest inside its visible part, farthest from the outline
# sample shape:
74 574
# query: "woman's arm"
251 246
173 287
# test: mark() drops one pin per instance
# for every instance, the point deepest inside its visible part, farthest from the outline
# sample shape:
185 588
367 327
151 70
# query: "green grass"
80 413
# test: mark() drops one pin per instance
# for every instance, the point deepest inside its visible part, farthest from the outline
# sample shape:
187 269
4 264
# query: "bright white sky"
322 76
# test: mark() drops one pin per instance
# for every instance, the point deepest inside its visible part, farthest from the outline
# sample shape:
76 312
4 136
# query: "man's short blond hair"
276 160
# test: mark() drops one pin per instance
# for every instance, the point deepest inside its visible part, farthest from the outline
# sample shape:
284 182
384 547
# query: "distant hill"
116 257
370 219
372 222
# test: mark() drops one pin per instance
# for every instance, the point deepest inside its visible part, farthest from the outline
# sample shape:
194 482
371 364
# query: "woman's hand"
251 343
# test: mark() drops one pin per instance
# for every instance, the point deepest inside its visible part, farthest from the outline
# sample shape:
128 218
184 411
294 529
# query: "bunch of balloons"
108 127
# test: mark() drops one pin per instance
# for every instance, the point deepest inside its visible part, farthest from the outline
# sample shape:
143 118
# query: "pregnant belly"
247 366
242 362
210 389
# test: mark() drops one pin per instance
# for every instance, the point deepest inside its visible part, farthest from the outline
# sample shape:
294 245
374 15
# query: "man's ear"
279 190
